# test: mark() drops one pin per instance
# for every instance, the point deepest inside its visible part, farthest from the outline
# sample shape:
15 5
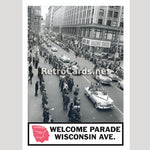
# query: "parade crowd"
66 84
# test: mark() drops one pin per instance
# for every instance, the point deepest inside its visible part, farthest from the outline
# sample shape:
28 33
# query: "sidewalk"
35 110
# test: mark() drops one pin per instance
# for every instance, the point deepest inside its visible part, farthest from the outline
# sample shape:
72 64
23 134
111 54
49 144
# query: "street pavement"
88 111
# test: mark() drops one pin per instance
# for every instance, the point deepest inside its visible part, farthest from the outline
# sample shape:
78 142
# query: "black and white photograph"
75 61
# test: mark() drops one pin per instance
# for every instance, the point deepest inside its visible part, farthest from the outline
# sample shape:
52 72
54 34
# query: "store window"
88 33
101 35
110 13
94 34
100 21
116 14
121 38
97 34
108 22
114 24
84 33
109 36
105 35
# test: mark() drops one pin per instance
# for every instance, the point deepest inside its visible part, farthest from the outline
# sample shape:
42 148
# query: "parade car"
65 58
49 45
103 78
120 84
74 68
99 97
54 49
57 42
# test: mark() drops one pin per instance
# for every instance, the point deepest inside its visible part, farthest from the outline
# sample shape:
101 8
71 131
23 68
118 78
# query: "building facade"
34 18
49 18
99 27
58 18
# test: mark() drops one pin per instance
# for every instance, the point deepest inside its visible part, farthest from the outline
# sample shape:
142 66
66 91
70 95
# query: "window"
105 35
83 22
114 24
110 13
88 13
91 20
108 22
84 13
100 21
97 34
79 21
121 38
116 14
109 36
89 7
101 12
88 33
80 15
92 12
121 24
114 36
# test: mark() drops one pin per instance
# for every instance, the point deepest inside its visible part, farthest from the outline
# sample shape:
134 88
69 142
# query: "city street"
88 112
76 38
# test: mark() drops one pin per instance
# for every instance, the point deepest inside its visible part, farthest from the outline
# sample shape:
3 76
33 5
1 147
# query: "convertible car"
54 49
64 58
99 97
75 68
103 78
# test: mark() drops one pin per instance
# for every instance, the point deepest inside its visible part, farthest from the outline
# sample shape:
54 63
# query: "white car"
113 76
99 97
54 49
75 68
64 58
120 84
103 78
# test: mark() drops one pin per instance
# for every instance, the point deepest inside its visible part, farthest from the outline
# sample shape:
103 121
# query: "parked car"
99 97
121 84
113 76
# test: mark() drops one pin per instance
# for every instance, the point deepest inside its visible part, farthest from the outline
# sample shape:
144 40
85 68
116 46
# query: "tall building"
99 27
49 18
34 18
58 18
